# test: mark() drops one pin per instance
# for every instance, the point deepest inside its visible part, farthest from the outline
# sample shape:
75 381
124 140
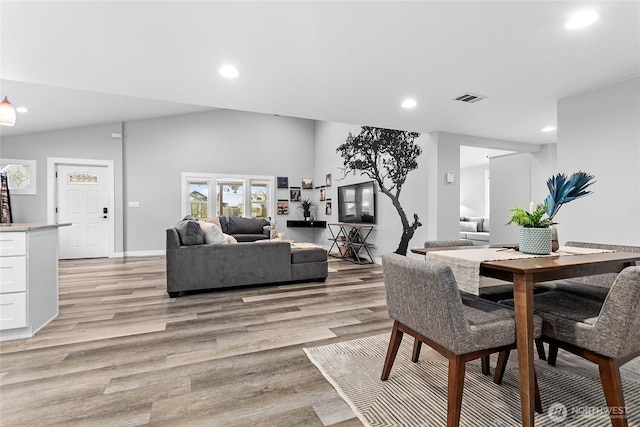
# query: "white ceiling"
86 62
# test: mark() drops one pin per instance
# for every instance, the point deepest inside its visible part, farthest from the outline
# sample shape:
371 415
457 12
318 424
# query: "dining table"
524 271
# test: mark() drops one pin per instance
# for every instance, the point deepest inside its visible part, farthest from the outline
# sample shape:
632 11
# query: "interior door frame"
52 196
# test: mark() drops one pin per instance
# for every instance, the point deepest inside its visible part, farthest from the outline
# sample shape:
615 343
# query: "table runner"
465 264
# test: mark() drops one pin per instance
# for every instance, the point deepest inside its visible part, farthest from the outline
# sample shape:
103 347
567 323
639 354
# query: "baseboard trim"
145 253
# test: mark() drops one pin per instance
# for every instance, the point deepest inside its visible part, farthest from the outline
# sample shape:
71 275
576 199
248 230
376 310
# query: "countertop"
30 226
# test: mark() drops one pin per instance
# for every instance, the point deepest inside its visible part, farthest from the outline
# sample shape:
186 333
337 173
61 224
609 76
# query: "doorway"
80 192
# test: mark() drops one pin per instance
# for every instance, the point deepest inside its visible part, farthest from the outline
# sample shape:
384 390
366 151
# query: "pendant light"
7 112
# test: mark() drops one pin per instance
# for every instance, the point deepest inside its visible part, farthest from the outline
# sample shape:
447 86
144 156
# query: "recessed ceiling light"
229 71
22 110
409 103
581 19
548 129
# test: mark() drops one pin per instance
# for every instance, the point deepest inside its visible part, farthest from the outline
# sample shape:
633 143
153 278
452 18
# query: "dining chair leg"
538 401
501 365
540 348
553 354
612 387
486 361
392 351
415 355
454 393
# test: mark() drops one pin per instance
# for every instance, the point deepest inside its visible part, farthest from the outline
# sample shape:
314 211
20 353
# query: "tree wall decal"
386 156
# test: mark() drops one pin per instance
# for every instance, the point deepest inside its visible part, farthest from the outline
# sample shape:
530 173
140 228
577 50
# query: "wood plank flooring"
122 353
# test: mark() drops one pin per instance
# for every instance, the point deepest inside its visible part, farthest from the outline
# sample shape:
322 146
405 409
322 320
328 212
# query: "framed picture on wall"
283 182
282 207
323 194
328 180
307 183
294 195
327 208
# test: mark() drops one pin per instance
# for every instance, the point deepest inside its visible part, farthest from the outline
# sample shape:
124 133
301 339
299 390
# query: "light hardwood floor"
122 353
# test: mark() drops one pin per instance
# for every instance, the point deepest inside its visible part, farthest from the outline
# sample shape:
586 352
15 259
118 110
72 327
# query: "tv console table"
350 240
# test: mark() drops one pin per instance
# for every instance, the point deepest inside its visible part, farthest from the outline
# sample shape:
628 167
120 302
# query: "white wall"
599 132
472 191
223 141
92 142
446 149
388 229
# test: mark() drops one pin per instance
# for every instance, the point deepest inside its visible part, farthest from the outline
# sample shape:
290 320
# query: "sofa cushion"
212 233
468 226
302 255
190 232
485 225
479 220
239 225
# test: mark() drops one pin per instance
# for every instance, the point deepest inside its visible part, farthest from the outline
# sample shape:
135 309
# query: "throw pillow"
212 233
230 239
468 226
485 225
479 220
214 220
190 232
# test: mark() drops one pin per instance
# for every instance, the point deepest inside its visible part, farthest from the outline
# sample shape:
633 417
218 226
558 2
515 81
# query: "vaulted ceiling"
88 62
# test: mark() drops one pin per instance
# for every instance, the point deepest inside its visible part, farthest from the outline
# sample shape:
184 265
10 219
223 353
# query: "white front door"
83 200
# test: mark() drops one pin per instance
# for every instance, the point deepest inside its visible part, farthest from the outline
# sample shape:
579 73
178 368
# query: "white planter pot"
535 240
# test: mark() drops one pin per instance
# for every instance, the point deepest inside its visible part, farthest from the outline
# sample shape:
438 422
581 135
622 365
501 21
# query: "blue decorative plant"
563 190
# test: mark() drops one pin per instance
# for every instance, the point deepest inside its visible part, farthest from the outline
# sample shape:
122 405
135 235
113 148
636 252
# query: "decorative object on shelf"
307 183
327 208
271 227
5 200
386 156
294 194
283 182
306 209
328 180
535 235
282 207
563 190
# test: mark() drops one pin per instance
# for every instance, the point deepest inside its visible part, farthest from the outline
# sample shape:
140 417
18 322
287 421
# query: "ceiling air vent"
469 98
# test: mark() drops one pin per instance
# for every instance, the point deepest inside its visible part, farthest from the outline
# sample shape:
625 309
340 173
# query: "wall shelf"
307 224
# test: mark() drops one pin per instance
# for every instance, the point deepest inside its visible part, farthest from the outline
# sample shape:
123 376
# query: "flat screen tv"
357 203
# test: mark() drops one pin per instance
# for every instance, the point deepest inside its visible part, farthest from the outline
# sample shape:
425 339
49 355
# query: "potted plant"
306 206
563 190
535 235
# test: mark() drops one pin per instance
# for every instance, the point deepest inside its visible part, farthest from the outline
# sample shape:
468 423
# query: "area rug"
416 393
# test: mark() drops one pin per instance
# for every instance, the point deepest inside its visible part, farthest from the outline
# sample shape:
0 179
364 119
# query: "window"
229 195
199 199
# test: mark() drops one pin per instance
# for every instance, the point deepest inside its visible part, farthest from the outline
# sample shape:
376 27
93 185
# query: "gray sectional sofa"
210 266
476 229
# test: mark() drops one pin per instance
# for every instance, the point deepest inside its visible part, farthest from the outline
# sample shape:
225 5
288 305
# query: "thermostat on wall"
450 177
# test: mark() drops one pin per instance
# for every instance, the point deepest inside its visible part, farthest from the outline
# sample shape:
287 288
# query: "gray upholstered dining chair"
447 243
493 293
604 332
596 286
593 287
424 302
417 344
